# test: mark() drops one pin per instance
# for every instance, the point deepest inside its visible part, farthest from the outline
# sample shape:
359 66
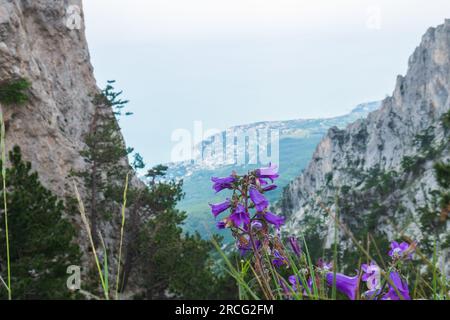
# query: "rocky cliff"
36 44
378 172
44 42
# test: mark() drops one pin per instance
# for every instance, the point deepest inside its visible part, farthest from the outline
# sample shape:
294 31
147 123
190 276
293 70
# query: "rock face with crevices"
44 42
36 44
378 172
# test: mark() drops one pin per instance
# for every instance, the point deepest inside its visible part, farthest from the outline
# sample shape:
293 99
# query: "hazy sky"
229 62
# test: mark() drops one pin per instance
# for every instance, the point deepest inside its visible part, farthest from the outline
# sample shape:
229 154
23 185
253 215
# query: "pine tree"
163 258
106 154
41 240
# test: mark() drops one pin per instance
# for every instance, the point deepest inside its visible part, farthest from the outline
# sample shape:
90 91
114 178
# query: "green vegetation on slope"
41 240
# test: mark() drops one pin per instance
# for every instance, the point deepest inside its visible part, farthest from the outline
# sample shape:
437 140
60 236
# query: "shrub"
14 92
446 120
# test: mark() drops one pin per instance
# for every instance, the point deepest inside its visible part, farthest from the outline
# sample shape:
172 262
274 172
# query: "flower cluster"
381 285
249 217
397 287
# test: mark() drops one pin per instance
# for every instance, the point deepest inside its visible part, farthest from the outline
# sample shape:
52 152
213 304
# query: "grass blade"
5 208
122 227
88 231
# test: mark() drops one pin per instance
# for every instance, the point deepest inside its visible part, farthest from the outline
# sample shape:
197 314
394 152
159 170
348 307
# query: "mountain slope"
298 139
378 172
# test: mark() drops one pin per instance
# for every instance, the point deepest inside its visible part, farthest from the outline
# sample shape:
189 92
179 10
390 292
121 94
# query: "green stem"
3 147
124 205
91 240
335 248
